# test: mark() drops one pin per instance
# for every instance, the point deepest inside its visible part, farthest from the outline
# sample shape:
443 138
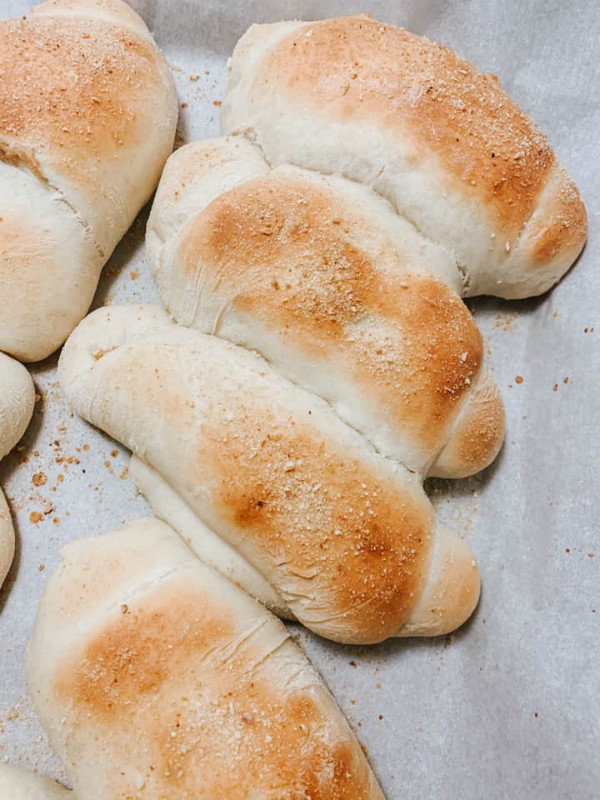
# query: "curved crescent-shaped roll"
339 294
19 784
17 399
345 537
88 111
155 677
420 125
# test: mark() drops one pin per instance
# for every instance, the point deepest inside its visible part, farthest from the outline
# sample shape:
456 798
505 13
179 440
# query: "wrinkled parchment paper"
509 707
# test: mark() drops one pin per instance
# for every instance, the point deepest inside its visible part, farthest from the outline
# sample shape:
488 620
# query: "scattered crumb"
39 479
506 322
566 379
217 103
519 379
134 274
194 78
42 567
36 517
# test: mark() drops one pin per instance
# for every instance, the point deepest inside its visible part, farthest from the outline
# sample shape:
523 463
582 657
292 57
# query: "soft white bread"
345 537
342 296
88 111
19 784
411 119
17 399
156 678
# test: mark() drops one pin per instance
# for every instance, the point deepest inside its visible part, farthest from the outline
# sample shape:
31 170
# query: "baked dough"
336 291
155 677
423 128
17 399
345 537
88 111
19 784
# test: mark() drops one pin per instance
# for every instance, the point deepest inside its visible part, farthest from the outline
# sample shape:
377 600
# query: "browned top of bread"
216 711
286 251
349 540
66 90
362 70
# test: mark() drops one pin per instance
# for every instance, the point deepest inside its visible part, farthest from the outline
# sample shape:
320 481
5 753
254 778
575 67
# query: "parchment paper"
509 706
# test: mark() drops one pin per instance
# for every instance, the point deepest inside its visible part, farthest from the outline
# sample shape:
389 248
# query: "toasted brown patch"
481 436
357 69
283 250
563 229
67 87
347 544
478 437
344 539
213 713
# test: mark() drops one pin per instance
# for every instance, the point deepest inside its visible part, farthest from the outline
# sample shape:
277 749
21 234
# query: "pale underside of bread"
423 128
87 120
338 293
17 399
155 677
345 537
20 784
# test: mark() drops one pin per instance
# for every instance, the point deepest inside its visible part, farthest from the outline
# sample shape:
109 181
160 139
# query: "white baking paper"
508 707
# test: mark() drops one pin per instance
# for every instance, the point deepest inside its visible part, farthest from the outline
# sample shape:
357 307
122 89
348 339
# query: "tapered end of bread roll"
19 784
155 677
477 435
452 590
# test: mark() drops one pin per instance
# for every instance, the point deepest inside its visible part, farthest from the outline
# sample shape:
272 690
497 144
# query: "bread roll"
87 120
17 398
19 784
342 296
155 678
345 537
423 128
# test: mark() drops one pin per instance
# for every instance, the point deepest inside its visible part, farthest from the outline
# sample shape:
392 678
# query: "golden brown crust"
478 436
424 93
359 541
283 250
563 229
82 113
215 714
344 543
